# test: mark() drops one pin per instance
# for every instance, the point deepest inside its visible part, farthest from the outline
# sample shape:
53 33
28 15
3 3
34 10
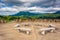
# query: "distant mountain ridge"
27 13
58 12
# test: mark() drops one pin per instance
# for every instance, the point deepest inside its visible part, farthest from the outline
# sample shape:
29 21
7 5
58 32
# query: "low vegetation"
26 17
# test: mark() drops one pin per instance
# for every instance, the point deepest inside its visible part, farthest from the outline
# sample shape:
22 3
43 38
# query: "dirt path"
7 32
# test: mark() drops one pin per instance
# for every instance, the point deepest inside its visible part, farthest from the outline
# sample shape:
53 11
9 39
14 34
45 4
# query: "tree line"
26 17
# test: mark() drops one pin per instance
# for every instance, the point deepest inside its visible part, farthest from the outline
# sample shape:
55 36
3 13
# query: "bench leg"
52 31
19 30
43 32
27 32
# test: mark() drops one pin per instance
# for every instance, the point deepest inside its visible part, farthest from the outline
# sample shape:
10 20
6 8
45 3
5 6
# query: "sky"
10 7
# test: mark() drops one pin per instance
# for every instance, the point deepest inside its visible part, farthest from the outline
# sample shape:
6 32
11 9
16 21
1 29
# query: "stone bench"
44 30
22 29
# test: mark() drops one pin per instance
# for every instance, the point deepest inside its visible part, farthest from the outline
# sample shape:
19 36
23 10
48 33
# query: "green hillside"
23 17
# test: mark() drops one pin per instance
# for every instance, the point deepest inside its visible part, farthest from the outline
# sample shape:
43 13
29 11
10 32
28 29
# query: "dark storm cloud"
39 3
45 3
12 2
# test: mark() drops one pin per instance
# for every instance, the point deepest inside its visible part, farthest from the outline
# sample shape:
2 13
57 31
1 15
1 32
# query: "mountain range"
26 13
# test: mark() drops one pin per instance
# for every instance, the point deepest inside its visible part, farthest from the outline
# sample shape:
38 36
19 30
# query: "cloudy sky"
9 7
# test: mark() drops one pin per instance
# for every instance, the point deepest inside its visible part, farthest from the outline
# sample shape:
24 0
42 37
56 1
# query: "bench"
22 29
44 30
